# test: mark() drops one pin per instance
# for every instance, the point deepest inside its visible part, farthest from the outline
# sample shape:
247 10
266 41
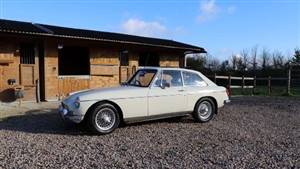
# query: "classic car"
151 93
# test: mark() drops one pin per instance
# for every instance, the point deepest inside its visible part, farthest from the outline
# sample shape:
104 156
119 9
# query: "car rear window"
192 79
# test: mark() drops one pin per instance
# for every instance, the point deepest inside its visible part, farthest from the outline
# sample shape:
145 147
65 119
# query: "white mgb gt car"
151 93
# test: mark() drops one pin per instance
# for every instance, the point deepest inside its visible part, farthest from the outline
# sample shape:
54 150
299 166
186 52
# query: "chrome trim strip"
155 117
165 95
138 97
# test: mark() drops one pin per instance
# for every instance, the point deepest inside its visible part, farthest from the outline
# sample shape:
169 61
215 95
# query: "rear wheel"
204 110
103 119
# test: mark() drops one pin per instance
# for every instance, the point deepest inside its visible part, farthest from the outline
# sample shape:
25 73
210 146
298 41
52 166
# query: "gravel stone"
250 132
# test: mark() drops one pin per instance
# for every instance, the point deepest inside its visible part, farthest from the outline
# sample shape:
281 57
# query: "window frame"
26 48
151 82
81 76
182 72
161 74
124 53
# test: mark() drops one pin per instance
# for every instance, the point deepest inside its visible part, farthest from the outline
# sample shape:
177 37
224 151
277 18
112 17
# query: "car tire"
205 110
103 119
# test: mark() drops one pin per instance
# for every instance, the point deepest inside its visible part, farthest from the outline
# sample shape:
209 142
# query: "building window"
73 60
27 54
124 58
149 59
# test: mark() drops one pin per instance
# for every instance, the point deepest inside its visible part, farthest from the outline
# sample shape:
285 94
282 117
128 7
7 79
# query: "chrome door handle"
181 90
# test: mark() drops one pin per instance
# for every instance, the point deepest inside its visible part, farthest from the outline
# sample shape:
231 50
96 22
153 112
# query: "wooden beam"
6 61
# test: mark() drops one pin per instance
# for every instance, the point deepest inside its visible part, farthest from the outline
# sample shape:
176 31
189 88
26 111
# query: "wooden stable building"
52 61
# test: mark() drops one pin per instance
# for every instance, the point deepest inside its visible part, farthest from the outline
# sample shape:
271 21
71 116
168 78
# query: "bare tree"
296 57
278 60
234 60
224 65
239 63
265 57
244 59
254 57
213 63
196 61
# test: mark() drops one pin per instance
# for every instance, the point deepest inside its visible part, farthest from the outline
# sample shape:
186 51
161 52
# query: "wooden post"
269 85
128 73
215 78
58 88
120 74
133 69
229 84
288 91
37 89
254 85
243 84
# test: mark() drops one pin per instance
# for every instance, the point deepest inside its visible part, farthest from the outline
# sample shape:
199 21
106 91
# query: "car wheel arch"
106 101
211 98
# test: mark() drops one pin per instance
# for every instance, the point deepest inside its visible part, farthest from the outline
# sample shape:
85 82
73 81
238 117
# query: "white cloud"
208 10
143 28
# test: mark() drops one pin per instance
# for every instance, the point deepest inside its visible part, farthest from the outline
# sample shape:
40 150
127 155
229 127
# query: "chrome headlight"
77 102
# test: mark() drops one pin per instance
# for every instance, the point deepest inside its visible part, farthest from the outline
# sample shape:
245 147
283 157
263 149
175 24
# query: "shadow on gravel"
40 121
182 119
48 121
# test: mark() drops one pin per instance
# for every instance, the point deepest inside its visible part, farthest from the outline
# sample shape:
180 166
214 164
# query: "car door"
169 98
194 88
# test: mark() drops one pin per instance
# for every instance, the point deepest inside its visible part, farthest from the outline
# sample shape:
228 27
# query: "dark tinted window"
149 59
74 61
124 58
27 54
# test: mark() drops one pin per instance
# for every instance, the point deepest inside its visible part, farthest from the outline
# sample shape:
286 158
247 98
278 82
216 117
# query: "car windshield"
142 78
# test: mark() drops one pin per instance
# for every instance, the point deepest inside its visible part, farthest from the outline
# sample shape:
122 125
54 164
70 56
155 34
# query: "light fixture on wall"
60 46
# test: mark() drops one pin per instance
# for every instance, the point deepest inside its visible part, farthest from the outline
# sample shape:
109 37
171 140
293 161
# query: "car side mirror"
165 84
124 84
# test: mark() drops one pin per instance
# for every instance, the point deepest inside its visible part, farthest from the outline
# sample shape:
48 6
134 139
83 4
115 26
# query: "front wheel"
103 119
204 110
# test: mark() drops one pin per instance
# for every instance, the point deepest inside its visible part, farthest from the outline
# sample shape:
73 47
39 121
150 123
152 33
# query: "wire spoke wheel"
105 119
205 110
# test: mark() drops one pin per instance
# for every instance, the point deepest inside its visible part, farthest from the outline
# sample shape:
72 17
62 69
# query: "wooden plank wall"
67 85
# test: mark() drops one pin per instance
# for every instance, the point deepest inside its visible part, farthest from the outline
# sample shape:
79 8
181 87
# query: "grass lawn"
263 90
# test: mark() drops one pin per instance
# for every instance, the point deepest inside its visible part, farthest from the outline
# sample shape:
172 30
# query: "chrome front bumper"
67 115
62 111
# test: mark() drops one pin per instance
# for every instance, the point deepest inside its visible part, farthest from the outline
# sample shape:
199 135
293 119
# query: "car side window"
173 77
157 80
192 79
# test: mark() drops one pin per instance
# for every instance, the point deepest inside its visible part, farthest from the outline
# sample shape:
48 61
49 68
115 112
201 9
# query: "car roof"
208 81
168 68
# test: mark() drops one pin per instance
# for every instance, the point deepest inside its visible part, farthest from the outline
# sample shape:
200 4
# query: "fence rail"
253 81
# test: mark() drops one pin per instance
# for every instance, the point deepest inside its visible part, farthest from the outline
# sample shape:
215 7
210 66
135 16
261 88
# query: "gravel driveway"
251 132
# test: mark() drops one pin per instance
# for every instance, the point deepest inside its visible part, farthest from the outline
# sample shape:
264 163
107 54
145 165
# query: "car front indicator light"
77 103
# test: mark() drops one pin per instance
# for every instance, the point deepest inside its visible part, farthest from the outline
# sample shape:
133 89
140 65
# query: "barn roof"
17 27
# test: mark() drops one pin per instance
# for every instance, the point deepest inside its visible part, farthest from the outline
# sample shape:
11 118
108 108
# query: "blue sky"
221 27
